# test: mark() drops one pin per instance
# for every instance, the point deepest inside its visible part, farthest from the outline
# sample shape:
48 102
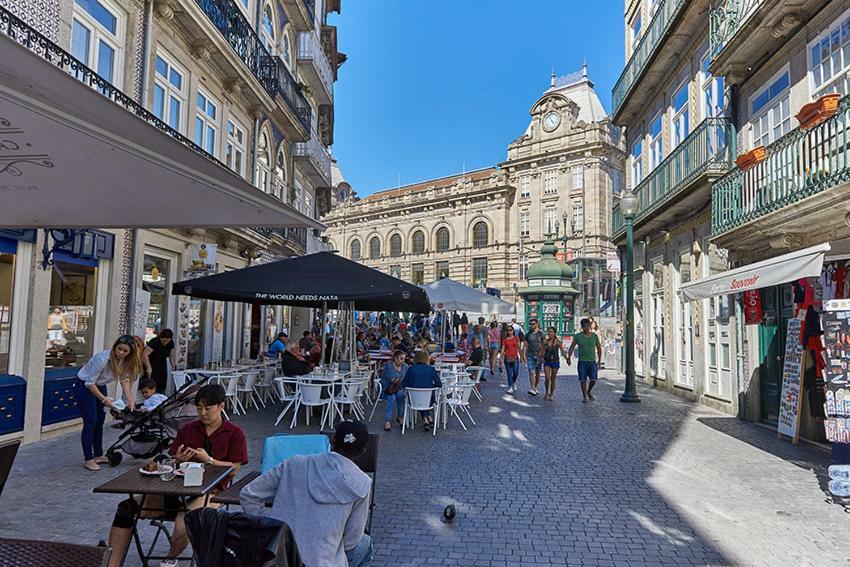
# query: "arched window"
418 242
442 239
264 161
375 248
280 176
267 35
479 234
286 44
355 249
395 245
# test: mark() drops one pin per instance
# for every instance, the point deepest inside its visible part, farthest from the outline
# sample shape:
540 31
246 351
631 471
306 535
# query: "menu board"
836 339
792 371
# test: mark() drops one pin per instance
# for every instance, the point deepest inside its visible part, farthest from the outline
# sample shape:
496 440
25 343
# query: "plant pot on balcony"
819 111
752 157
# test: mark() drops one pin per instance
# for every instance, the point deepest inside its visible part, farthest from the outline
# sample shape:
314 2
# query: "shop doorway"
778 305
719 347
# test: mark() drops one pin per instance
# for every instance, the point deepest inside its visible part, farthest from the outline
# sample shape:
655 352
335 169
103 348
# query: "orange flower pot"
819 111
752 157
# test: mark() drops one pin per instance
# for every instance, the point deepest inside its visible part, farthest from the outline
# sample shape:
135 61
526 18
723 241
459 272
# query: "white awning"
70 157
806 263
449 295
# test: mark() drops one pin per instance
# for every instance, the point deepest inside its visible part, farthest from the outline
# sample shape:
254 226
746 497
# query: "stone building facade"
485 227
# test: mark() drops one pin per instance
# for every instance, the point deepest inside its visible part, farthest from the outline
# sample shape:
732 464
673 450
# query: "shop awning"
806 263
72 155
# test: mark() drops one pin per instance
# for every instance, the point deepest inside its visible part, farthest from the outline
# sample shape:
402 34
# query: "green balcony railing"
800 164
709 148
655 32
726 18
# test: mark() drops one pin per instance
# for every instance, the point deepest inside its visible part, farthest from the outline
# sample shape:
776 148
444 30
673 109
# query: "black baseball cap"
350 438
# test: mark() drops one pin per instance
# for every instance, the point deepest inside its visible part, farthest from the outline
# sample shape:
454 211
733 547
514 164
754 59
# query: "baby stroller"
149 433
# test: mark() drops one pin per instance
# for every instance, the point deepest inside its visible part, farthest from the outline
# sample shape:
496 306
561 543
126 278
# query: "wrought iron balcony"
315 65
317 157
18 30
643 54
800 164
269 70
709 148
310 5
726 18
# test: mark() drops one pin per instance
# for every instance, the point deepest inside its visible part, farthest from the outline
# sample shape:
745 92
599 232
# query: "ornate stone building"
484 227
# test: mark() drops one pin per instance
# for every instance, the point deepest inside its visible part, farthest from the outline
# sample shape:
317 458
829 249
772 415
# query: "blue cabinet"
13 398
60 397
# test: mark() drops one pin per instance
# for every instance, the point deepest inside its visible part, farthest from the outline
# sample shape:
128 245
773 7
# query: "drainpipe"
146 52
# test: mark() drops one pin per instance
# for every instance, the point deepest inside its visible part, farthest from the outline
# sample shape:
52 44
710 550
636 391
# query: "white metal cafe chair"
475 373
246 389
287 391
310 396
457 398
421 399
350 392
230 392
263 386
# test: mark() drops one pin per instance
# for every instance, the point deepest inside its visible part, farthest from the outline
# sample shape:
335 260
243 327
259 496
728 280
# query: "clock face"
551 121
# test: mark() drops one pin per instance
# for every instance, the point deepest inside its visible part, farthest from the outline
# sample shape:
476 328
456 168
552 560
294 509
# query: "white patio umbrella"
448 295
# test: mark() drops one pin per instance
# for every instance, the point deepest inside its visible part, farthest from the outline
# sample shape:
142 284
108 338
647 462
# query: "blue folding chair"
281 446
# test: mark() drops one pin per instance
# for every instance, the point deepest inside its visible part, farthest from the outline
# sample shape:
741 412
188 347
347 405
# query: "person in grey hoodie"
324 499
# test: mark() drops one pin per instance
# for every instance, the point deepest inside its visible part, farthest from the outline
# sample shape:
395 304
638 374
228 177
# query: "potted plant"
819 111
747 160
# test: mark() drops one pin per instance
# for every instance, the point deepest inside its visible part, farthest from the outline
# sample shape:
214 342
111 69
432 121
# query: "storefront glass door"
719 348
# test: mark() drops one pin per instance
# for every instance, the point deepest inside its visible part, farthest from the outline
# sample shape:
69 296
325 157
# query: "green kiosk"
550 296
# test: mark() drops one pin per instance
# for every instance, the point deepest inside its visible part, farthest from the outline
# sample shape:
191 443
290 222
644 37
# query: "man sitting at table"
293 363
323 498
209 440
306 342
398 345
278 345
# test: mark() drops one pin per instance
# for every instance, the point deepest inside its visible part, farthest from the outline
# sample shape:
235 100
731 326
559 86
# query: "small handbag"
394 387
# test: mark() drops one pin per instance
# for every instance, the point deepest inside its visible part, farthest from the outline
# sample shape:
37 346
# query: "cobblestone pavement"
664 482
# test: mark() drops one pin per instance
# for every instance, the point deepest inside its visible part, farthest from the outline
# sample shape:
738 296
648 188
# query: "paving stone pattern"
663 482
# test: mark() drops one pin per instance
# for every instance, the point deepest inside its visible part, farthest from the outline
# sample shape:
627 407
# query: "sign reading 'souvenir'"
293 297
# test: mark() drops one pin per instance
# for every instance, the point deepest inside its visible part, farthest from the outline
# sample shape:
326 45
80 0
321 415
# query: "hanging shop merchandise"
836 322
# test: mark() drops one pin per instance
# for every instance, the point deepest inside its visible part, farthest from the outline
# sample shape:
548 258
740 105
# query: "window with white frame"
308 205
206 123
550 182
829 58
169 91
549 220
524 223
97 37
770 110
523 268
578 177
234 150
263 163
637 163
635 29
656 142
267 28
578 216
713 95
681 115
525 186
279 187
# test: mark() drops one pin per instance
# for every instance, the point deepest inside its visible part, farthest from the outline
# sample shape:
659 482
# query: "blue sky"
432 84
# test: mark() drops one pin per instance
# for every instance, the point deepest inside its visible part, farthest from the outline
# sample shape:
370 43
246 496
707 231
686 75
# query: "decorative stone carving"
784 241
234 86
787 23
202 50
164 11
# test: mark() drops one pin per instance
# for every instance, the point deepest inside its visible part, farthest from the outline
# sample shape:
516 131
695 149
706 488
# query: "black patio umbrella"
309 281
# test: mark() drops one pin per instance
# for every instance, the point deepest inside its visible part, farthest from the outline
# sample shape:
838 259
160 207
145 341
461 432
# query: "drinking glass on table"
170 465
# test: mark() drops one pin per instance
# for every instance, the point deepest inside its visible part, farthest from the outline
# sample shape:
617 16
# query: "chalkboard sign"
792 371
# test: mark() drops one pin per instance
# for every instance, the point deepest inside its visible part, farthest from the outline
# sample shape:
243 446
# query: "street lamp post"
629 206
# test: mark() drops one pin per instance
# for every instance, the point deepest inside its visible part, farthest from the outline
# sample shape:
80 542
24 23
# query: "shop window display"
70 319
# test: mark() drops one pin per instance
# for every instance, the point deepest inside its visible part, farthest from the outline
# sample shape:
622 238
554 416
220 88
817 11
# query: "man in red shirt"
209 440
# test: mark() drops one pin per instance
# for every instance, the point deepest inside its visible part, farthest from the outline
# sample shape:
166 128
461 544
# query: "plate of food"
155 469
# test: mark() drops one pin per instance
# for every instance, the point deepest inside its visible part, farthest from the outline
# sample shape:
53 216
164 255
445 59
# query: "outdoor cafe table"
230 497
134 483
330 379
